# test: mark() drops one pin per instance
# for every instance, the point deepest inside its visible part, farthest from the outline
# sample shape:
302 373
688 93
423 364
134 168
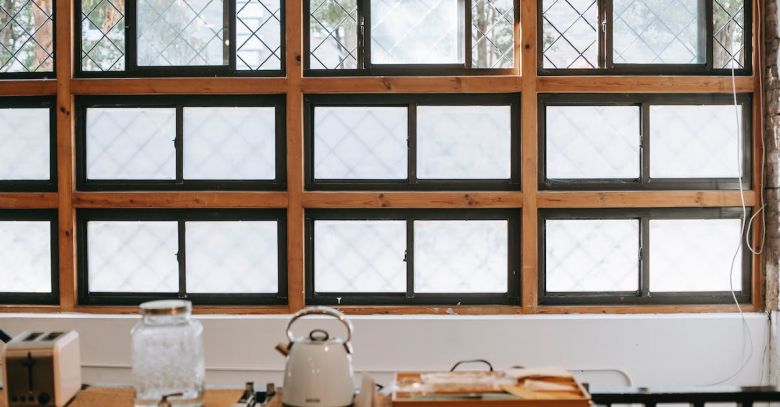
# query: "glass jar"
168 359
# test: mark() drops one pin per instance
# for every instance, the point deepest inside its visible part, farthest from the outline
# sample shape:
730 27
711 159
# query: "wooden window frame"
526 201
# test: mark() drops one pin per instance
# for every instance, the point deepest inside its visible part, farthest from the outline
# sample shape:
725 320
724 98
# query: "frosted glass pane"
360 142
359 256
25 256
464 142
229 143
460 256
417 31
133 256
131 143
333 34
694 254
24 144
181 32
658 32
232 257
492 33
258 34
694 142
570 32
592 255
598 142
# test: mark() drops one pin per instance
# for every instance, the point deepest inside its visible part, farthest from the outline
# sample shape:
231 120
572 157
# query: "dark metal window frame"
181 216
179 102
411 102
511 297
643 295
643 102
605 52
47 74
131 50
49 185
53 297
366 68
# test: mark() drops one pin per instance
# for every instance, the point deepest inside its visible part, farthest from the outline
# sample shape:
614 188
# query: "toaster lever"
28 364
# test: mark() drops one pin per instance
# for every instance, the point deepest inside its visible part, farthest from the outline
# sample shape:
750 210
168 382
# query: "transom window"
180 37
403 37
648 36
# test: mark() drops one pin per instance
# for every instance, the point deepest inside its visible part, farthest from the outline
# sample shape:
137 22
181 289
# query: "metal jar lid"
166 307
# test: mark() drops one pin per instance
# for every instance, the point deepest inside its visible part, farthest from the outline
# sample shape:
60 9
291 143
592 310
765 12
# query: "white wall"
675 350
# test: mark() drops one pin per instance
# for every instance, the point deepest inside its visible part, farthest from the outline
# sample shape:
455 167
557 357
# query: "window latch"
604 25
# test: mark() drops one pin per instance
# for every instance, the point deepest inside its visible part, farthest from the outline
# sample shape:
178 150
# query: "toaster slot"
32 336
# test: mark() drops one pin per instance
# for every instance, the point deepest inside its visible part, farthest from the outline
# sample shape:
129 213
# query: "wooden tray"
481 395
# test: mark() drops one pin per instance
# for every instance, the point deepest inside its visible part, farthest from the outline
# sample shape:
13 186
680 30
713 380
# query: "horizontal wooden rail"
178 86
180 199
643 199
642 84
412 199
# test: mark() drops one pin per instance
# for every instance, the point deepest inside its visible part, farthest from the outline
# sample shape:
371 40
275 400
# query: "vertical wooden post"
295 214
63 52
528 254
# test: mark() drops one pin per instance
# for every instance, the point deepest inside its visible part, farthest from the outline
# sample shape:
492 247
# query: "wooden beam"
48 200
643 199
295 214
412 199
149 86
65 159
180 199
642 84
40 87
643 309
529 142
413 84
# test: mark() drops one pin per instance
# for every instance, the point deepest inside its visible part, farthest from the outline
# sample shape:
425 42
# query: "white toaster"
42 369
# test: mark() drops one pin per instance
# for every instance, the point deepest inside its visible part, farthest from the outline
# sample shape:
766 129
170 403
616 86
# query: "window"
412 142
27 39
181 143
645 142
28 257
232 256
180 37
407 37
28 144
414 256
654 36
643 256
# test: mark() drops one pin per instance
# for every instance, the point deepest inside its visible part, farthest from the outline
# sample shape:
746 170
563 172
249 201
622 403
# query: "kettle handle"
319 310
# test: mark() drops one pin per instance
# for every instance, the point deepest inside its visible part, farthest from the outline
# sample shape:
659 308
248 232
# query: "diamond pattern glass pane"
460 256
359 256
596 142
131 143
592 255
570 34
464 142
24 144
132 256
658 32
26 36
694 142
232 257
102 35
360 142
695 255
417 31
229 143
25 256
181 32
728 34
492 33
333 34
258 34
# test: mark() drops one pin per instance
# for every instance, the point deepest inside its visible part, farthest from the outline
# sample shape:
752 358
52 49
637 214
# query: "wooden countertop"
123 397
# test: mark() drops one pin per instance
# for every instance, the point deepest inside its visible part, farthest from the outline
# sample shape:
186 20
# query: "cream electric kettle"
319 368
